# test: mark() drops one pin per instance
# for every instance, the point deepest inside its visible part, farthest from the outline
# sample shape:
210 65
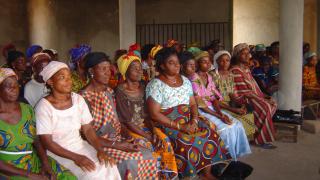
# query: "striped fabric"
263 110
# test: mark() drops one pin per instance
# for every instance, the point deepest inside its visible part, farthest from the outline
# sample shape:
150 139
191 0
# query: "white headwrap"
52 68
216 57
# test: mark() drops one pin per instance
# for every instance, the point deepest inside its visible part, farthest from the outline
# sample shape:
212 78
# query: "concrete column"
40 20
291 38
127 23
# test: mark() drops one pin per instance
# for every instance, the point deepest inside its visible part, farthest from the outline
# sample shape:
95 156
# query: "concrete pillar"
40 20
127 23
291 38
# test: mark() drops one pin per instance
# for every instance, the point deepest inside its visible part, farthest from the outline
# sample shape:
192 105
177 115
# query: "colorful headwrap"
52 68
39 56
32 50
171 43
201 54
77 53
6 48
135 48
217 56
308 55
155 50
5 73
194 50
260 47
124 62
238 48
194 44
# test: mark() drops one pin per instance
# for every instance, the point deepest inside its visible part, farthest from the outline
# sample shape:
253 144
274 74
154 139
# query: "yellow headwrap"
154 51
201 54
124 62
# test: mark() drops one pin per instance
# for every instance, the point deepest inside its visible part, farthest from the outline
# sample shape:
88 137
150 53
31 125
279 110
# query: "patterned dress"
18 138
249 93
132 110
131 165
310 80
233 135
226 87
192 152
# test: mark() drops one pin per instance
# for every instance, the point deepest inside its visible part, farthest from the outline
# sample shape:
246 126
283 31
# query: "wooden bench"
310 109
286 132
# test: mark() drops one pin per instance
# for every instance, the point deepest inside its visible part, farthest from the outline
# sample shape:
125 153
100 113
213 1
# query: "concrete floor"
290 161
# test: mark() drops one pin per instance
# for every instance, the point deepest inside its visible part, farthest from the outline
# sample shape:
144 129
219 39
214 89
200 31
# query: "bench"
310 109
286 132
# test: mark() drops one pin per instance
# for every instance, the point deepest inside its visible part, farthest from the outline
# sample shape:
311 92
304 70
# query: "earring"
91 75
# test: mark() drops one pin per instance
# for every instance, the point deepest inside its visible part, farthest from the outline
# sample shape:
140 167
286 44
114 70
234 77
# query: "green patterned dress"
18 138
226 87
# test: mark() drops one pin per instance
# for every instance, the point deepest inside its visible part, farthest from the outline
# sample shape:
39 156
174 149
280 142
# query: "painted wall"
13 21
92 22
182 11
255 21
310 29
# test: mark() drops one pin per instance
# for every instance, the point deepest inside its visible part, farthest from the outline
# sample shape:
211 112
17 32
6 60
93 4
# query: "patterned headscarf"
308 55
135 48
238 48
32 50
5 73
52 68
217 56
6 48
39 56
155 50
77 53
124 62
171 43
201 54
194 50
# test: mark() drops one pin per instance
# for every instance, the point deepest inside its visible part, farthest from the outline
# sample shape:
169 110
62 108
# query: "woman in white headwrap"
224 81
60 116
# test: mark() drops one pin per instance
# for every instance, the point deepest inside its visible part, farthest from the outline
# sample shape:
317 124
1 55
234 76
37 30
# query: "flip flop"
268 146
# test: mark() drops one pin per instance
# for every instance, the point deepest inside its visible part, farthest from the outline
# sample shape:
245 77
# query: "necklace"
172 81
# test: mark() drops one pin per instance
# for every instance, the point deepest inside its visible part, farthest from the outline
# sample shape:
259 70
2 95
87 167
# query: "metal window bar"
185 33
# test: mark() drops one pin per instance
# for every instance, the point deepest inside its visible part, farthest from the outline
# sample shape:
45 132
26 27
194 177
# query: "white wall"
255 21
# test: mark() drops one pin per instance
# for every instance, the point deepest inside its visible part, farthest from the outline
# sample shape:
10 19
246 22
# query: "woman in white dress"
60 117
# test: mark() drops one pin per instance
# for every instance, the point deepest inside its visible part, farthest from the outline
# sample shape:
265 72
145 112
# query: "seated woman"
311 87
229 128
224 81
249 93
133 162
21 154
60 117
266 76
172 107
130 102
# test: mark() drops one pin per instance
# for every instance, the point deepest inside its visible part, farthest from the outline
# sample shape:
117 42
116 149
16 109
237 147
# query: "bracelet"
113 143
195 119
178 126
171 123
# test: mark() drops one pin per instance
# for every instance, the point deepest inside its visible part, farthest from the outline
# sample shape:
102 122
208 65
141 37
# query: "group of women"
182 123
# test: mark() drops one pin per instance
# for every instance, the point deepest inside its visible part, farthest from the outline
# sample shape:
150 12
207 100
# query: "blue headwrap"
32 50
77 53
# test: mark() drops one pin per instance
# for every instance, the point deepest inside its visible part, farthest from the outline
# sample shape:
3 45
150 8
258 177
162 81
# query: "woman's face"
134 72
189 68
244 56
313 61
224 62
61 81
101 72
19 64
9 89
171 65
204 64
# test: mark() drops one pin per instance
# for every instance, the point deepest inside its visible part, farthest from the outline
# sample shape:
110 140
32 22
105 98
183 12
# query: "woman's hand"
127 147
84 163
104 159
241 111
188 128
46 170
226 119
